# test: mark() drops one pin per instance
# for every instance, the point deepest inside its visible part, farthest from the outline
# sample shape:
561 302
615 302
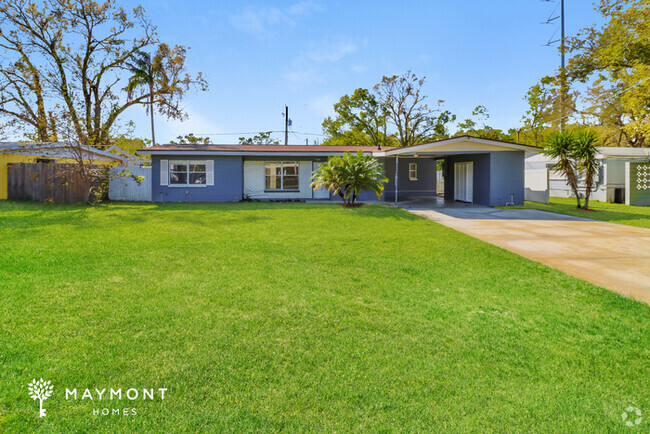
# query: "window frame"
413 167
188 172
282 175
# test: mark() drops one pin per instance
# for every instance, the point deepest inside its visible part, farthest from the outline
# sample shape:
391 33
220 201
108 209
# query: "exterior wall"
255 180
7 158
424 186
506 177
481 177
610 176
227 182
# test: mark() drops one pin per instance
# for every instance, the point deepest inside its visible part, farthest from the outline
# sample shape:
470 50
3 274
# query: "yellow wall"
19 158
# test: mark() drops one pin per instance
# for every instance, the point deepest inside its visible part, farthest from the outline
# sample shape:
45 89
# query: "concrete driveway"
613 256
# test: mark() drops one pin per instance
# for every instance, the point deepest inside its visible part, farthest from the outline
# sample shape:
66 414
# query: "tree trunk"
153 134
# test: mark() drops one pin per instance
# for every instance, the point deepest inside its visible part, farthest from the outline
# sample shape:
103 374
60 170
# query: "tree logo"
631 416
40 390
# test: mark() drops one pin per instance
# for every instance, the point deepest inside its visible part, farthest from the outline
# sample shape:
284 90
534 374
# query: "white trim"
209 172
413 167
253 154
164 172
440 143
188 172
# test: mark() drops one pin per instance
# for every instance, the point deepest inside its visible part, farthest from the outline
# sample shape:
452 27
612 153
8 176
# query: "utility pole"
562 71
286 125
563 86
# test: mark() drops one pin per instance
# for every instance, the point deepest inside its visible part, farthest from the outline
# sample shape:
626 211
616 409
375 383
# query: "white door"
464 182
320 193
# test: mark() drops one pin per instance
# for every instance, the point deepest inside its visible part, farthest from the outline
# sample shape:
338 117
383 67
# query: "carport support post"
396 172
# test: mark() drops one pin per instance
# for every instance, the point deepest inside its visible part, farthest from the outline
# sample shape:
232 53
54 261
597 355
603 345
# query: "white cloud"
322 105
263 21
309 66
197 123
331 51
304 8
358 69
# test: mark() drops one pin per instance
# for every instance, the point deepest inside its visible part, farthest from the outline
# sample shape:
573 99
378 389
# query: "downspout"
396 173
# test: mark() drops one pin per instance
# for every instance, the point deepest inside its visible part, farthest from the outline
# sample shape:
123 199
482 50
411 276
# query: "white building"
610 179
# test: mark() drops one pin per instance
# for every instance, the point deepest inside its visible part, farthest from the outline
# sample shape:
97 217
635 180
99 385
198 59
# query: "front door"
320 193
464 182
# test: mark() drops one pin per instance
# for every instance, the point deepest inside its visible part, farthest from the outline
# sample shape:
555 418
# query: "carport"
475 170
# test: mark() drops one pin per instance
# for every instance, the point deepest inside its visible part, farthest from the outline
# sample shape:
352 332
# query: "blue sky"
258 56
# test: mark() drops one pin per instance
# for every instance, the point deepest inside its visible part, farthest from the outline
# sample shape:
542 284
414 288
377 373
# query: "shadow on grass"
599 211
18 215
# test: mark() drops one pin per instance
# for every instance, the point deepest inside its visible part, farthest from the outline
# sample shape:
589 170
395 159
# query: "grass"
303 317
605 211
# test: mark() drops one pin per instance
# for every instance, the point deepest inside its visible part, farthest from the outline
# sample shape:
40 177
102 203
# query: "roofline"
255 153
464 138
24 148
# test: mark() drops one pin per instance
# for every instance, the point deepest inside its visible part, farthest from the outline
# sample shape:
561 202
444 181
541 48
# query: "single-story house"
53 152
610 177
481 171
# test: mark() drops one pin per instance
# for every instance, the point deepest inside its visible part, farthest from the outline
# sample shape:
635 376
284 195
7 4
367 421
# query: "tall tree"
146 71
360 119
63 62
415 122
614 61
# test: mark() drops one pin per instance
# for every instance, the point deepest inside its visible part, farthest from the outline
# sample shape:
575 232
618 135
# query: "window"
413 171
186 172
282 176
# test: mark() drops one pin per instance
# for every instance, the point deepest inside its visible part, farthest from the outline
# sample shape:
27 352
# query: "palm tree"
145 71
349 175
560 146
584 153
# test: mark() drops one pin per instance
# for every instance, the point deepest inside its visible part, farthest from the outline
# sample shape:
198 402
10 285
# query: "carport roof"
462 145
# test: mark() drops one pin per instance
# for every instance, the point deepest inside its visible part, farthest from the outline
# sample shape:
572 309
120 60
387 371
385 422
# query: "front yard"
303 317
609 212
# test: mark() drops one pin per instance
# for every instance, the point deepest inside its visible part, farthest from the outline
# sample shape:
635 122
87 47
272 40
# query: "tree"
263 138
584 152
191 139
559 145
406 109
392 114
145 74
349 175
614 60
63 62
470 126
360 119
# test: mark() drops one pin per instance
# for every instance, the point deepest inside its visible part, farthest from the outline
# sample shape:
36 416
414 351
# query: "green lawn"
609 212
303 317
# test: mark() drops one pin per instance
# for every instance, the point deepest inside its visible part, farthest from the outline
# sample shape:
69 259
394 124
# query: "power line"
257 132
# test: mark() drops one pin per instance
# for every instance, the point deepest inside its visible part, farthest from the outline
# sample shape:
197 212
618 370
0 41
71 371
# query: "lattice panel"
643 177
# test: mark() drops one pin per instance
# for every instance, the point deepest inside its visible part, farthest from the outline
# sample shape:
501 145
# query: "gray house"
475 170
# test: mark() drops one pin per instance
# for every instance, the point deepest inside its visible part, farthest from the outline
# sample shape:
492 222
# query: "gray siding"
424 186
506 177
481 176
228 182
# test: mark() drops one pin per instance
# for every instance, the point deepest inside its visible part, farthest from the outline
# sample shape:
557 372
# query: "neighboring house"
610 178
481 171
16 152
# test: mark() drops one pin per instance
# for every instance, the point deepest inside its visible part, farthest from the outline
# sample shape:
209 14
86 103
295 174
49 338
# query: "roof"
52 149
200 149
462 145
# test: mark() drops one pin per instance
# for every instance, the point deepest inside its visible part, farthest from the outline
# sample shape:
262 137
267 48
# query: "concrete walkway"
613 256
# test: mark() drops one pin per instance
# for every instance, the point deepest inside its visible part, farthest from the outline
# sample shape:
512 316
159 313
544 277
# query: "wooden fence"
59 183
